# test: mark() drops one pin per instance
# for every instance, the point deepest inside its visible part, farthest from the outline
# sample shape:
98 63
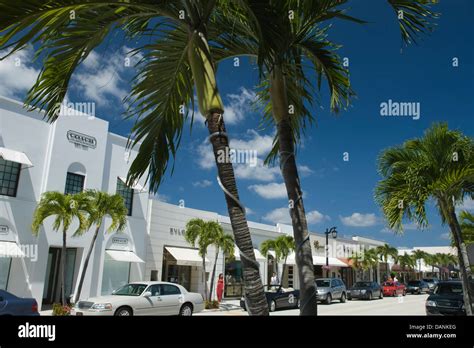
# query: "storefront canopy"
136 186
15 156
124 256
258 254
186 256
334 262
10 249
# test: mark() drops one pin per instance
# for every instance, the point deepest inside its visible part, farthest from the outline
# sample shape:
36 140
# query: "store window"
115 275
9 176
127 195
74 183
5 264
233 279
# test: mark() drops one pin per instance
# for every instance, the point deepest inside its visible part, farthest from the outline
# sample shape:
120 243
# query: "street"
407 305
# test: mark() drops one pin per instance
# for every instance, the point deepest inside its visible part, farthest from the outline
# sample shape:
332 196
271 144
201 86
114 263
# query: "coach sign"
81 139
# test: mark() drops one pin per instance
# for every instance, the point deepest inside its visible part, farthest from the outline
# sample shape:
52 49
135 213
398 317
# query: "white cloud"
202 183
468 204
282 215
162 198
270 191
17 74
238 106
445 236
359 220
249 211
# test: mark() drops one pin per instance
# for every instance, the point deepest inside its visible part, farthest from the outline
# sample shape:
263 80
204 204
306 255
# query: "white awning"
334 262
258 254
10 249
186 256
15 156
124 256
136 186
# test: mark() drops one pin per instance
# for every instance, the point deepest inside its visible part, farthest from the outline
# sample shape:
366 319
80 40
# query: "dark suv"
447 299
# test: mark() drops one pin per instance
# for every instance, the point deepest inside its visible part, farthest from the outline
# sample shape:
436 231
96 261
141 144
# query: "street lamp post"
333 232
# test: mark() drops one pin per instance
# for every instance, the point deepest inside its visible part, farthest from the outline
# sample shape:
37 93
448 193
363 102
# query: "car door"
171 300
335 289
281 299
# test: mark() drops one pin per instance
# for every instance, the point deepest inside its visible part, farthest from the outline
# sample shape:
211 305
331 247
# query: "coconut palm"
102 205
282 246
407 263
288 39
385 251
176 60
418 255
223 242
440 165
65 209
467 226
364 261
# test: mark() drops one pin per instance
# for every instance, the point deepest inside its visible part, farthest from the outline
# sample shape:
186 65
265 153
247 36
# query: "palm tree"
407 263
418 255
223 242
365 261
202 234
65 208
371 259
282 246
176 60
283 44
102 205
467 226
440 166
385 251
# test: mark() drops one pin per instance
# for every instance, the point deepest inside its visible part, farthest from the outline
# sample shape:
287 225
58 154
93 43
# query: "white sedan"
143 298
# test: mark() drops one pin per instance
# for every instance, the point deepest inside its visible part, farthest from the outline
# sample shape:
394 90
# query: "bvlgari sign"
80 139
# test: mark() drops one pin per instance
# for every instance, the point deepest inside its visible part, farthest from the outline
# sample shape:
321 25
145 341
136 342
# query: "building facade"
74 153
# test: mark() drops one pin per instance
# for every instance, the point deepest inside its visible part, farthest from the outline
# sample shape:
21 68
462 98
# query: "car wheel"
369 296
381 295
273 306
343 297
349 298
404 292
186 310
297 303
418 292
124 312
328 298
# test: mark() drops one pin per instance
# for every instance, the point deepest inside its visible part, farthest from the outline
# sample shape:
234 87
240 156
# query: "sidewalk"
226 305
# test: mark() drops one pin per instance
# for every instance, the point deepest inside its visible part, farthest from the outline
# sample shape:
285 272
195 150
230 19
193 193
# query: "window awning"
124 256
15 156
334 262
136 186
258 254
10 249
186 256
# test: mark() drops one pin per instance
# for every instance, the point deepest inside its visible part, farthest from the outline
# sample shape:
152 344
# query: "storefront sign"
4 229
174 231
120 241
80 139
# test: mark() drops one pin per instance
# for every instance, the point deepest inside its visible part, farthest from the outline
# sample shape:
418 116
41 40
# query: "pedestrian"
220 287
274 280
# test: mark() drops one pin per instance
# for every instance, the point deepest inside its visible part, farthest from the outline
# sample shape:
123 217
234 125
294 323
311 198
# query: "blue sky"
337 192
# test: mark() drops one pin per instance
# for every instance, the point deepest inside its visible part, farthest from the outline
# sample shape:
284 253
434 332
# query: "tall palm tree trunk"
204 280
464 268
63 269
210 106
86 263
213 274
255 296
304 257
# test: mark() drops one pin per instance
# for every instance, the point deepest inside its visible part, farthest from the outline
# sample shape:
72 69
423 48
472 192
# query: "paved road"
407 305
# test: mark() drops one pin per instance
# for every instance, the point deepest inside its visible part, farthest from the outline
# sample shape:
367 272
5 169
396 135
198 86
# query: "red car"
394 288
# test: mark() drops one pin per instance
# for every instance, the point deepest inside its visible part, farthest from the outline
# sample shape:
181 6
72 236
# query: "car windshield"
449 289
429 280
363 284
388 284
414 282
271 288
323 283
130 290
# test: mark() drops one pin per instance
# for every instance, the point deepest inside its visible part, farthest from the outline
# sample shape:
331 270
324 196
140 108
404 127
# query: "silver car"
331 289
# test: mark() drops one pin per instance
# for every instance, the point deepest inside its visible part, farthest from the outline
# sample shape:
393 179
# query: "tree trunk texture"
254 292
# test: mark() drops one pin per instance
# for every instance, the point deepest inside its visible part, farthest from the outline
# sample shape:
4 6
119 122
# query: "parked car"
278 298
365 290
329 289
13 305
432 282
394 289
446 299
417 287
143 298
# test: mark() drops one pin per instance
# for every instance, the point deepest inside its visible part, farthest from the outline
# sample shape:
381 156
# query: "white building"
74 153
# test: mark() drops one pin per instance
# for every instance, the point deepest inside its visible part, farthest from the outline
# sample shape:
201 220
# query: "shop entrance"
52 284
174 273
